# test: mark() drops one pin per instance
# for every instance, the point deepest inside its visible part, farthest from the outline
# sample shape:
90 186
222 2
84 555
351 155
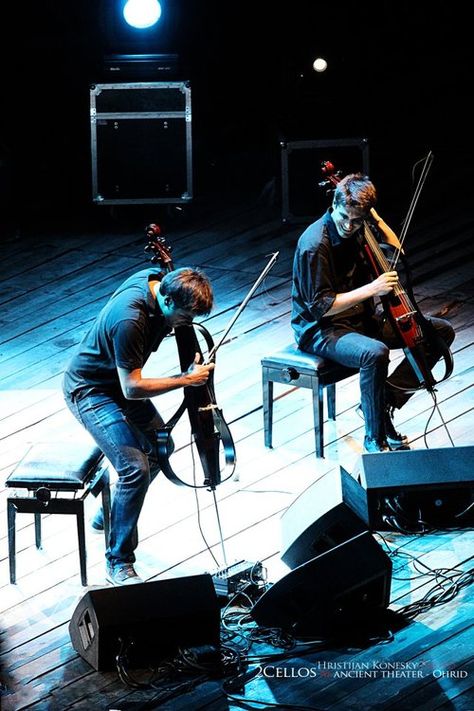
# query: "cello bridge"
405 316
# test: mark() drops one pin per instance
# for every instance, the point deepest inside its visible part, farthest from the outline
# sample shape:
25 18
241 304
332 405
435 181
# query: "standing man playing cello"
105 390
333 309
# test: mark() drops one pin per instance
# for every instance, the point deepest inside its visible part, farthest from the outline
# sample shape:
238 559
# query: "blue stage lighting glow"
142 13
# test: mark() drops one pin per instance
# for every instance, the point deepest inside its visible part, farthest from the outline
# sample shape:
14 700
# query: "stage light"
320 65
142 14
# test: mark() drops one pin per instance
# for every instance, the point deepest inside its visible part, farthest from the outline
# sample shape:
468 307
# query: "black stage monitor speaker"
155 618
419 488
329 512
329 592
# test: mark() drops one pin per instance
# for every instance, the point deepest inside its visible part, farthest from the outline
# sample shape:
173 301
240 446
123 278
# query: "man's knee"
377 354
143 478
135 472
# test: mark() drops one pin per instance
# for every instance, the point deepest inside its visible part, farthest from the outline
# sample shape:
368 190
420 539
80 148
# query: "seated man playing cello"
334 314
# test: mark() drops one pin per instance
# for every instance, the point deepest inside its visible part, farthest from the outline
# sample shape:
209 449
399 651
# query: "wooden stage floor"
52 286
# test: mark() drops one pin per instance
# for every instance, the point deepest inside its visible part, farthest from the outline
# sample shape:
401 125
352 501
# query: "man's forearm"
141 388
347 299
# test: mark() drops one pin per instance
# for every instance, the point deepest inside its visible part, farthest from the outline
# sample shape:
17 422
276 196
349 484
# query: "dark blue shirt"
127 330
325 265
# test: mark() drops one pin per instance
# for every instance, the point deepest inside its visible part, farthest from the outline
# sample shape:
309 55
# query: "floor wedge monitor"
327 513
323 596
419 489
152 620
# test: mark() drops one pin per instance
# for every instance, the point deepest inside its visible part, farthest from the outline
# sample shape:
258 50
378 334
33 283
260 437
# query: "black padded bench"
302 370
58 477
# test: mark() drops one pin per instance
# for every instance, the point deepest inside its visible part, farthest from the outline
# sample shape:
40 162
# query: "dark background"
399 74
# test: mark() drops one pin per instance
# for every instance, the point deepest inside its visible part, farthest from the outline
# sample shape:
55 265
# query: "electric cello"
208 426
210 431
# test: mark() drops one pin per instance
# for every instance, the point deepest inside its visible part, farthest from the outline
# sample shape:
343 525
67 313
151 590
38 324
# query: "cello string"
385 265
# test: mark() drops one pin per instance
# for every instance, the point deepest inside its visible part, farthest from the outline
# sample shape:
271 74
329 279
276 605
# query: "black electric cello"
208 426
210 431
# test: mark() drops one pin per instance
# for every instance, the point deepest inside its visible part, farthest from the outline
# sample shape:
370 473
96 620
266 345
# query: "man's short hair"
190 289
356 190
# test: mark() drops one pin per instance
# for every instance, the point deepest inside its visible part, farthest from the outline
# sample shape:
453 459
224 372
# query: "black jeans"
351 347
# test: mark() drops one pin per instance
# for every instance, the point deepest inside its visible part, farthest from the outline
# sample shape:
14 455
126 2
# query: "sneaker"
122 574
394 439
375 445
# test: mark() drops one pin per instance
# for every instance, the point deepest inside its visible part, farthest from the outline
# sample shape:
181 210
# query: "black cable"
195 488
239 666
436 407
435 404
401 516
164 671
448 584
221 661
465 510
201 530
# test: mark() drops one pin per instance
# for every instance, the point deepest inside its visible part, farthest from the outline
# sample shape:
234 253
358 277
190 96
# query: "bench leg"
106 506
38 530
331 398
318 414
12 540
81 535
267 386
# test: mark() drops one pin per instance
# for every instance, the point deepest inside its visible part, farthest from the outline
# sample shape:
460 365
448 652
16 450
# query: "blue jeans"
125 432
351 347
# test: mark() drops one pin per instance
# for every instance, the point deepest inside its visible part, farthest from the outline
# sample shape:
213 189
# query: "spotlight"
142 14
320 65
